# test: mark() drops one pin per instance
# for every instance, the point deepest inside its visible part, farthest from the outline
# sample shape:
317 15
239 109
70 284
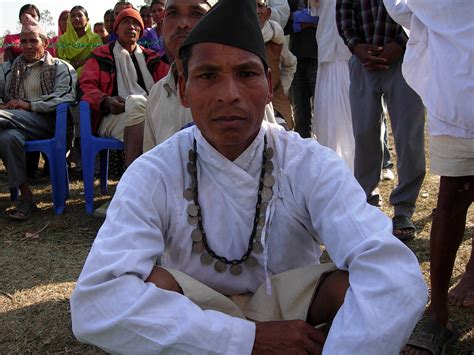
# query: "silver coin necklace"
198 235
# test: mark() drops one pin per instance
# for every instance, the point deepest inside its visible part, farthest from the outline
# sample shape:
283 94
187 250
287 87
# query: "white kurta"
332 110
439 60
146 223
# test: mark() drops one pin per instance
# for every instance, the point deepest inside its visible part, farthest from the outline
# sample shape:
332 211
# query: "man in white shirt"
228 233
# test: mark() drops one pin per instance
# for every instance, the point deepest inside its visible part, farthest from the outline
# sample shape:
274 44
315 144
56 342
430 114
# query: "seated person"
220 209
164 113
281 62
99 29
30 91
116 81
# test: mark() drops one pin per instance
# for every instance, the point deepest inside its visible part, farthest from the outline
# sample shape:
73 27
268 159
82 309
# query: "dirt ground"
38 275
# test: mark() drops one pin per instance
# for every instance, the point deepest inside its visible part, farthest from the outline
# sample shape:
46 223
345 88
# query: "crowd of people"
260 118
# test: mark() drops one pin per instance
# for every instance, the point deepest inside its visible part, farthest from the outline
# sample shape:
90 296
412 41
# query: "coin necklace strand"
198 236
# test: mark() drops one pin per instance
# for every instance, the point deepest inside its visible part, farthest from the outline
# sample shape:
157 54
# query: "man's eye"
248 74
207 76
171 13
197 14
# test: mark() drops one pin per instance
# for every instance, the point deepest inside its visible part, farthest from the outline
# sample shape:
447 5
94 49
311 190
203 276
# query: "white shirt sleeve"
387 293
399 11
113 308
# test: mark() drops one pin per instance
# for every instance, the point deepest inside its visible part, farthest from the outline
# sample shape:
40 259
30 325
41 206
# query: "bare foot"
462 295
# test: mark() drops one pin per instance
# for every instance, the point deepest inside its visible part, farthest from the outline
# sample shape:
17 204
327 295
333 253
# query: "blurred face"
100 30
128 31
227 89
109 23
157 11
263 12
79 20
63 21
179 18
33 46
146 17
119 8
31 12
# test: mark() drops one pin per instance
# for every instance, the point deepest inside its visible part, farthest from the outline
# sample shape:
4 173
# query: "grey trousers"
17 127
407 120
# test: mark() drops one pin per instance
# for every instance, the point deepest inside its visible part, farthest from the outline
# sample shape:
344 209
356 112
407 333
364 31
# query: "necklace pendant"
268 166
268 181
192 155
206 259
267 194
191 168
236 270
220 267
196 236
261 222
257 248
258 235
193 220
192 210
251 261
198 247
269 153
188 194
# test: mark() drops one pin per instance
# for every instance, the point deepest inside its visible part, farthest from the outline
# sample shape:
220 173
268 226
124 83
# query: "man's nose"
228 90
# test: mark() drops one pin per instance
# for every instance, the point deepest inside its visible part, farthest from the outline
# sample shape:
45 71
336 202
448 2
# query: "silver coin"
263 207
193 220
206 259
192 155
198 247
268 166
257 248
267 194
268 181
192 183
219 266
196 236
258 235
261 222
192 210
191 168
269 153
251 261
188 194
236 270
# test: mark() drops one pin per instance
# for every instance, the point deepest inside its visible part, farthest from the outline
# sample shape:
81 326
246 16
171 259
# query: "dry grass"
38 276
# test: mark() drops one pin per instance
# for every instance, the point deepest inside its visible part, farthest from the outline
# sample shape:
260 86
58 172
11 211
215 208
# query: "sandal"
22 210
433 337
403 223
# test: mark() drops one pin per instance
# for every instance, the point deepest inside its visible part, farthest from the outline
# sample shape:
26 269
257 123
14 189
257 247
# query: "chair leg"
88 177
58 180
104 171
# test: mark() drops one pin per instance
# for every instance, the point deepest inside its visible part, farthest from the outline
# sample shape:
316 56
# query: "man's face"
146 17
263 12
33 46
128 31
100 30
179 18
157 10
227 90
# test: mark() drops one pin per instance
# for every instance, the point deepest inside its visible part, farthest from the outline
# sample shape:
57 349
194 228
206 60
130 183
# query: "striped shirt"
367 21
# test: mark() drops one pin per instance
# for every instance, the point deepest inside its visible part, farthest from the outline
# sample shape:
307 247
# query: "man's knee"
11 139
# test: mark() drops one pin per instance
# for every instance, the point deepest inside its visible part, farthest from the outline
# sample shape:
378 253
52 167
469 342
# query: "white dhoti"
113 125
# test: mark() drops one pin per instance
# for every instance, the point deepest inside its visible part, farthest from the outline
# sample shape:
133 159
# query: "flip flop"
403 222
22 210
433 337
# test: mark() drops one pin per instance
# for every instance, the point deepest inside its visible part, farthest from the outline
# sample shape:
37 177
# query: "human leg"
301 92
462 295
366 110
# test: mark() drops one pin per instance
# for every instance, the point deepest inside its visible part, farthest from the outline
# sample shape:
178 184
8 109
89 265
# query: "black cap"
233 23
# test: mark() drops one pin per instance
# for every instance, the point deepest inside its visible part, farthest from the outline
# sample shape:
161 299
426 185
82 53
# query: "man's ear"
270 86
182 90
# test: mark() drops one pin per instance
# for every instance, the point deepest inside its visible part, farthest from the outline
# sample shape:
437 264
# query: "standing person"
302 30
248 280
62 27
152 37
32 89
439 32
11 42
332 111
78 42
281 61
109 23
378 44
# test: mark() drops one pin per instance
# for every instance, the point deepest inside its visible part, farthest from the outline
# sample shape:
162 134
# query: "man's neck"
130 47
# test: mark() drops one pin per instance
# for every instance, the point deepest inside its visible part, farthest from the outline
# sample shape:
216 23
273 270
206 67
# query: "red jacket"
99 80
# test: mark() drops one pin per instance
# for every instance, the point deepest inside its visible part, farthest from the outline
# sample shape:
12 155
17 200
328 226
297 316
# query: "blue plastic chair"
90 146
55 150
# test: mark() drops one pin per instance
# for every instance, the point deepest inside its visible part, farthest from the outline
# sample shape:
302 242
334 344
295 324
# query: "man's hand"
369 55
391 52
287 337
18 105
116 104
